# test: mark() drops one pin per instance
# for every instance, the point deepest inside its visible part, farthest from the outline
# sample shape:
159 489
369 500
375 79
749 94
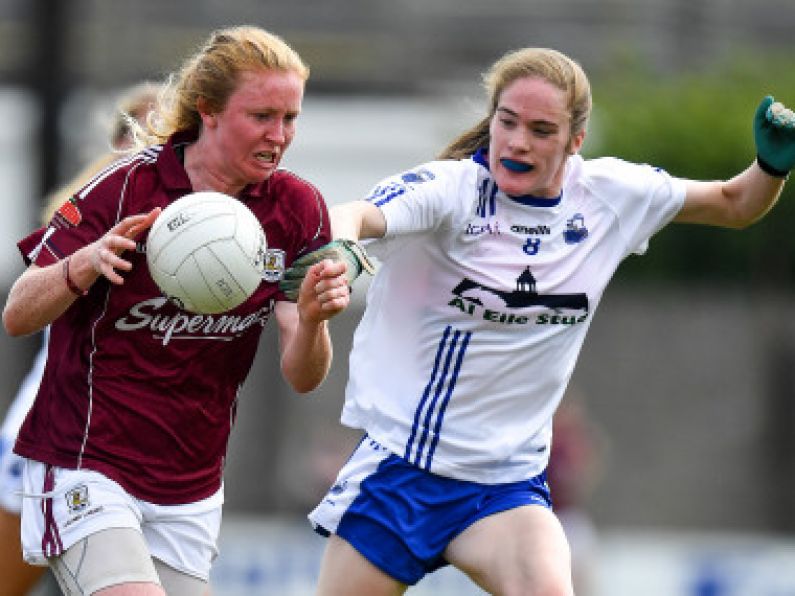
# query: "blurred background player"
573 470
16 576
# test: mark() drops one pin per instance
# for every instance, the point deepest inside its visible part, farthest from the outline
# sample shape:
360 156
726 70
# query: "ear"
206 114
575 143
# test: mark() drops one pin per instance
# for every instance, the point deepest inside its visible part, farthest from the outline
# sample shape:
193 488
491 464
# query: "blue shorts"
401 518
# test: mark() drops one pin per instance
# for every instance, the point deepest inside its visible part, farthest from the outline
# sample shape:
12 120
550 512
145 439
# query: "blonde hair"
213 73
132 107
543 63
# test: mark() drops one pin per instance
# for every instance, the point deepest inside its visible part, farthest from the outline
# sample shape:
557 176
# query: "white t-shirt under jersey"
477 315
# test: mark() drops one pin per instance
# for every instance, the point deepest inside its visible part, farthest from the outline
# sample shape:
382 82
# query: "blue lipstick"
515 166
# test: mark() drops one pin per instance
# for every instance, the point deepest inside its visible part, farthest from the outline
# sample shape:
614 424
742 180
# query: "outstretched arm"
41 294
748 196
357 220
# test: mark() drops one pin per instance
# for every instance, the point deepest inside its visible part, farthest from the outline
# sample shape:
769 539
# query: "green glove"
774 135
347 251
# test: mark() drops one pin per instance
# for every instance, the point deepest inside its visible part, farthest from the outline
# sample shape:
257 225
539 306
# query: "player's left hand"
340 251
774 135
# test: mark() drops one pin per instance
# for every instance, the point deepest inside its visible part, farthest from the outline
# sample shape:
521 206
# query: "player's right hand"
347 251
774 135
105 253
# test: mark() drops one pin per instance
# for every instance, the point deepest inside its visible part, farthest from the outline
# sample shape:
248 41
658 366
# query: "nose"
276 133
520 141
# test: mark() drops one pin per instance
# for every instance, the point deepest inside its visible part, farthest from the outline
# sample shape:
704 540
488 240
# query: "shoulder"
117 171
299 208
432 177
602 169
643 197
287 182
612 173
442 170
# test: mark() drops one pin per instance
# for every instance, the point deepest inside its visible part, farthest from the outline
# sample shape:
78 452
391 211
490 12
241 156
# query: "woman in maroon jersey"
125 443
16 577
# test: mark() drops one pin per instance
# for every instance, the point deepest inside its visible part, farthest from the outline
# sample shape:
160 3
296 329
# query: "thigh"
176 583
112 561
518 551
344 571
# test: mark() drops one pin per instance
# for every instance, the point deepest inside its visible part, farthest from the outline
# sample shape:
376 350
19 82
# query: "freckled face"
250 135
530 138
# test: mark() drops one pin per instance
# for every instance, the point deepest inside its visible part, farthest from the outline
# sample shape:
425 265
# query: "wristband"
69 283
768 169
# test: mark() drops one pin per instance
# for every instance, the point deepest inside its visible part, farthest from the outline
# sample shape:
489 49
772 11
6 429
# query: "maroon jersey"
134 387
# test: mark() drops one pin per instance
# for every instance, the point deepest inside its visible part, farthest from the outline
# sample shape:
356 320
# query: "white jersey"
477 315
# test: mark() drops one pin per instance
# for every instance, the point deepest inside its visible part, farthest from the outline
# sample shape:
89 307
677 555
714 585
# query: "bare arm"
41 294
357 220
304 340
735 203
747 197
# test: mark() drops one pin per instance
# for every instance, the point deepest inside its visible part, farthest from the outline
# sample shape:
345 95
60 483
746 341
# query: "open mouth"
515 166
266 156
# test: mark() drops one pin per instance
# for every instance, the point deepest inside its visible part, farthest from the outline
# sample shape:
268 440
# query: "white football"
206 252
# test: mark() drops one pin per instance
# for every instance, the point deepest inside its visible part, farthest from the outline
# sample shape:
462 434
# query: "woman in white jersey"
494 259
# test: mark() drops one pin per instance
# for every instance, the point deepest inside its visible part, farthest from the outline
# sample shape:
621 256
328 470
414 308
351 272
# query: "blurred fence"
267 556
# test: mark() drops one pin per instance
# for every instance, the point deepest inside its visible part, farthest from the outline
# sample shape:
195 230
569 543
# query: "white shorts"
61 507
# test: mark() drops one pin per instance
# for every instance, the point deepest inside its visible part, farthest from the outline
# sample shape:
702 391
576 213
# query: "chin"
513 187
261 174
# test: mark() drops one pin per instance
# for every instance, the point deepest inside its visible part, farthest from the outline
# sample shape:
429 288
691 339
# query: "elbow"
738 225
742 223
303 384
740 219
14 325
303 389
304 381
19 319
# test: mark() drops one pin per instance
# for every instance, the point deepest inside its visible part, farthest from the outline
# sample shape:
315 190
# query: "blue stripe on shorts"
403 517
